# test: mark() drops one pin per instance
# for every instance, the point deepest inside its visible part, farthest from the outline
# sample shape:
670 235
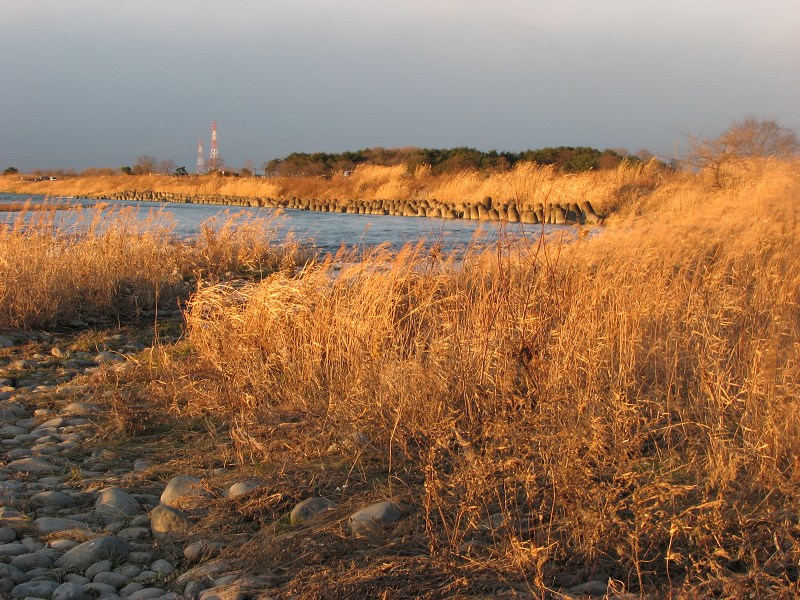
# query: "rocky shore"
72 523
81 518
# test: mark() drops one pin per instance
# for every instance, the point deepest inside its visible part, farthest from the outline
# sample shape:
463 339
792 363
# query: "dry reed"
622 407
626 405
105 262
525 183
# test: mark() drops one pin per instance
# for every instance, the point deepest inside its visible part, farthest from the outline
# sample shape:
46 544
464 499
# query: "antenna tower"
201 163
213 159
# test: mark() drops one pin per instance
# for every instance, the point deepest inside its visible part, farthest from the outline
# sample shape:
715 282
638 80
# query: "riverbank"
527 193
617 416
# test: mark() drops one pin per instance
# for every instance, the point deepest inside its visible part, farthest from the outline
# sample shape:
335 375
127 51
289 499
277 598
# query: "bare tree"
746 139
248 170
166 166
145 164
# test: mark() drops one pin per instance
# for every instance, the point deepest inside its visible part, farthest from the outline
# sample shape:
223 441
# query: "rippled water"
326 231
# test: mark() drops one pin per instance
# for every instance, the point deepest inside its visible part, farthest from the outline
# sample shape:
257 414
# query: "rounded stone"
132 587
101 590
47 525
373 518
181 486
7 534
12 573
134 533
71 591
114 504
244 487
84 555
52 499
109 358
140 558
146 594
117 580
165 520
33 560
32 465
115 527
194 588
32 544
226 580
36 589
101 566
310 509
63 545
129 570
41 573
141 520
163 567
55 422
13 549
11 516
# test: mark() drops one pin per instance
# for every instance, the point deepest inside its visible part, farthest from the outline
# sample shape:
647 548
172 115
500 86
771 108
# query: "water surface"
326 231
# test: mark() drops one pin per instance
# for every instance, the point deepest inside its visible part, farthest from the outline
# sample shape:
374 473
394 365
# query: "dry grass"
623 407
110 263
525 183
626 405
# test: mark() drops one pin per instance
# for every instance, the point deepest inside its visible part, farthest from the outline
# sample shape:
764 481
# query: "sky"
97 83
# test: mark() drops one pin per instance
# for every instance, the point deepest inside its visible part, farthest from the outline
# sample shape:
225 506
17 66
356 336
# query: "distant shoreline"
528 193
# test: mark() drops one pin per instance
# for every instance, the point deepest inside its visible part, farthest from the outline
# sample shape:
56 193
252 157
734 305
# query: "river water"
325 231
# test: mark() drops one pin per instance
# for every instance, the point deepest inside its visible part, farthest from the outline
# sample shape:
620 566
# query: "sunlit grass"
104 262
525 184
624 404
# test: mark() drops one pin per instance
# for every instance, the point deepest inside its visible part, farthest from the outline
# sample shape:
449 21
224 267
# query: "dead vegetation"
106 262
622 408
526 183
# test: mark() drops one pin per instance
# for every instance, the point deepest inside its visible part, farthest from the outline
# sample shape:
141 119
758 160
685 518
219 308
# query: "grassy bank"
620 408
526 183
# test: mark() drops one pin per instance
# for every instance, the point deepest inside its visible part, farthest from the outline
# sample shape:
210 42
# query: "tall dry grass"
98 262
526 183
106 262
625 405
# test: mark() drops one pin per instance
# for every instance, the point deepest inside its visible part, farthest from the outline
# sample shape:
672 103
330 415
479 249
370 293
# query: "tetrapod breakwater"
488 209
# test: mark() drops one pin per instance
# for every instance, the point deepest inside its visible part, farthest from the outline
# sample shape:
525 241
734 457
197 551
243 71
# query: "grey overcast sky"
100 82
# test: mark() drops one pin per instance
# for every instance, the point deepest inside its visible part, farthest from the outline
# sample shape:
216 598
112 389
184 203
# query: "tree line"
568 159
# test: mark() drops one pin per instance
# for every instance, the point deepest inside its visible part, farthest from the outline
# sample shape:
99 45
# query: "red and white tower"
213 159
201 163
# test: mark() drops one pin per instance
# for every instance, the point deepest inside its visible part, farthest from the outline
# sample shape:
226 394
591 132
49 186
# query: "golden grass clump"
106 262
234 244
95 262
626 404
